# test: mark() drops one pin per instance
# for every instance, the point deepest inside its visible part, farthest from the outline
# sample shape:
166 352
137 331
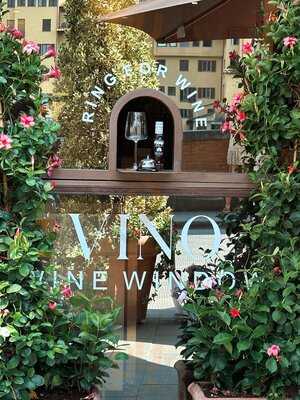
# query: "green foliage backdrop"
92 50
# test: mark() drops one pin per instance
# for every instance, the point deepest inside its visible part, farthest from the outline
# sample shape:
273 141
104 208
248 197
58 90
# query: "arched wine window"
157 107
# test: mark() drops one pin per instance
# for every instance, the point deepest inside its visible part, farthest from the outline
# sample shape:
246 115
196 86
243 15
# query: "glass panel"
89 252
21 25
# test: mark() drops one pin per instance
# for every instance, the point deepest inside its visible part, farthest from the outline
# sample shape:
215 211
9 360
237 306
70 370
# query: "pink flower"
16 34
5 142
290 42
227 127
53 162
216 104
52 305
242 136
67 292
235 313
237 99
18 233
3 27
241 116
233 55
30 47
51 52
209 283
4 313
273 351
53 73
292 169
27 121
248 48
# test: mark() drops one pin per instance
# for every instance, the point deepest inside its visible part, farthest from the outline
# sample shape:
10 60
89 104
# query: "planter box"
185 378
72 395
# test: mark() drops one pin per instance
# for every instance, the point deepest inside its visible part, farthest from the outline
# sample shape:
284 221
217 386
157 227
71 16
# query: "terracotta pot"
199 395
185 378
150 252
135 301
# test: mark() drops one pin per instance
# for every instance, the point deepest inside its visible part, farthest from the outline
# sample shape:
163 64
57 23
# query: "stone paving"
149 372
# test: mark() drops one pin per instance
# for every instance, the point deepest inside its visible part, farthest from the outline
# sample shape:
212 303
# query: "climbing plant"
48 337
246 340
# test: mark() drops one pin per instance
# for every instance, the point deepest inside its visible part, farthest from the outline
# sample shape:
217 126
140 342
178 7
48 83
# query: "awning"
187 20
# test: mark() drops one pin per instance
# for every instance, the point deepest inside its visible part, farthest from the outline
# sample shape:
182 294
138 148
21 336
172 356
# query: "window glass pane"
183 65
171 91
207 43
21 3
52 3
45 47
21 25
184 44
11 3
235 42
31 3
11 23
87 251
46 25
42 3
161 62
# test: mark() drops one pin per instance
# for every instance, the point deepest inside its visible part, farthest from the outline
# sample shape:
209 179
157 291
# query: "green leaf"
56 380
13 363
259 331
271 365
228 347
243 345
14 288
277 316
121 357
24 270
30 182
225 317
223 338
3 303
38 380
80 300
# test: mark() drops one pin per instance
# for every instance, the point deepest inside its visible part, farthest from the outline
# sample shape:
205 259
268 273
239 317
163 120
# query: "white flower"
4 332
209 283
183 296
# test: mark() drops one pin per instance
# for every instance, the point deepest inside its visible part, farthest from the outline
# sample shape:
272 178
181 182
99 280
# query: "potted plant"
244 342
141 244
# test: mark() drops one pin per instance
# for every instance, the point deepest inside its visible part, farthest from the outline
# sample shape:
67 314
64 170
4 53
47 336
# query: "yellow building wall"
33 17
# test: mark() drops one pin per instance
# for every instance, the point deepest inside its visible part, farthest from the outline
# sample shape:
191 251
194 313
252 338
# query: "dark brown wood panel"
124 176
154 188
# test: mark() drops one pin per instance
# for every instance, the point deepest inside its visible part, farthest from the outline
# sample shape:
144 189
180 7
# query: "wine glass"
136 130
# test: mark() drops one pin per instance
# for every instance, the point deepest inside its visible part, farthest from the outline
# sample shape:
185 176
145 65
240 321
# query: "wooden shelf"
131 171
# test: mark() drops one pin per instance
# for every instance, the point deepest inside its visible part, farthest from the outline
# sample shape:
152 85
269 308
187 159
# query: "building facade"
40 21
202 64
205 65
